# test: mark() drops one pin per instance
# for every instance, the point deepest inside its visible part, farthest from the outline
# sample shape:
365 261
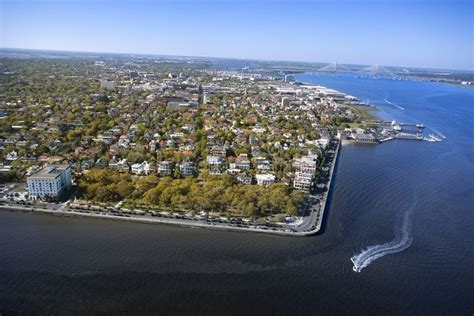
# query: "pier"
382 131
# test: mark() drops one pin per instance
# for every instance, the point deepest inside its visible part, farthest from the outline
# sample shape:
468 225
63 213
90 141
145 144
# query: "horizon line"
224 58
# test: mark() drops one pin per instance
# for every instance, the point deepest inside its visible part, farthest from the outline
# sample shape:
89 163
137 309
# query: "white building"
123 142
153 145
141 168
306 164
265 179
105 84
215 164
12 156
242 162
305 168
165 168
120 165
303 182
107 138
50 181
363 138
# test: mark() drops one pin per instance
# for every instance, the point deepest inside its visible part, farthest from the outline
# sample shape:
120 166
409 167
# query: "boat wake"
437 132
394 104
401 242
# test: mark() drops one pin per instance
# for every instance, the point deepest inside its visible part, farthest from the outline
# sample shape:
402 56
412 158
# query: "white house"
242 162
165 168
215 164
12 156
141 168
265 179
303 181
123 142
305 164
244 179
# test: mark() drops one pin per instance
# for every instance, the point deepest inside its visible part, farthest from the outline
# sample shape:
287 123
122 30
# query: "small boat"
397 128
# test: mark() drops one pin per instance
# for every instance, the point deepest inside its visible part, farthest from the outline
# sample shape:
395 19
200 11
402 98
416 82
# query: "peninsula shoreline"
284 231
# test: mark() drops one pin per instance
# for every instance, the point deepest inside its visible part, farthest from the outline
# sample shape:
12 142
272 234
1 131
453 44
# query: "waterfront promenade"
310 224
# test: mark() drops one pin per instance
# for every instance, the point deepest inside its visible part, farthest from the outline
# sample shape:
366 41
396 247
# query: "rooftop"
49 172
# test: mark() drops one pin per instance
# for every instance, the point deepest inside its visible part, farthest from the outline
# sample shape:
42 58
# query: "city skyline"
401 34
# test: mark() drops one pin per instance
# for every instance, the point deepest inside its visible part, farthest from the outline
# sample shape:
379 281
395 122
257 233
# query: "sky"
411 33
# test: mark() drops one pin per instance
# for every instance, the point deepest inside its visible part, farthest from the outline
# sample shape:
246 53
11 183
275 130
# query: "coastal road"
309 219
317 203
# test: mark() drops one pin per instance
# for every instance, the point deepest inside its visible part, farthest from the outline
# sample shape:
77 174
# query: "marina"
382 131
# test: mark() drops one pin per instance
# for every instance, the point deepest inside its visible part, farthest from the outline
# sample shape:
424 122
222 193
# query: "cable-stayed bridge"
335 67
377 70
373 70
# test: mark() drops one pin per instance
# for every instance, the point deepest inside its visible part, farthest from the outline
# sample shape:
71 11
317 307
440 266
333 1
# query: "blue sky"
437 34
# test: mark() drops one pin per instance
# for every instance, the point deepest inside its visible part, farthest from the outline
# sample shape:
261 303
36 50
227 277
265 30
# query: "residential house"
11 156
123 142
219 151
244 179
140 168
265 179
215 164
101 163
242 162
262 163
123 165
113 163
165 168
186 168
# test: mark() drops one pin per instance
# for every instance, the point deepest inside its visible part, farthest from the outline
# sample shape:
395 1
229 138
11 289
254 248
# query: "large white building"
107 84
305 168
303 181
305 164
265 179
49 181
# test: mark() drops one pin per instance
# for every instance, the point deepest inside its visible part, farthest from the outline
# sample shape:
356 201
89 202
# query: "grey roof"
49 172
